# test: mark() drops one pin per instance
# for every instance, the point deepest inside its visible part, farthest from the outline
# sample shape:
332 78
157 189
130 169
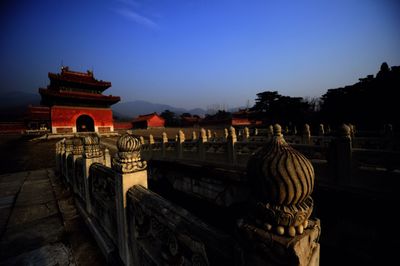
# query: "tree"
170 118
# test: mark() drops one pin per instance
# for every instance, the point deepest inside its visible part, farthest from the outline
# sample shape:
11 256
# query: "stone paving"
39 224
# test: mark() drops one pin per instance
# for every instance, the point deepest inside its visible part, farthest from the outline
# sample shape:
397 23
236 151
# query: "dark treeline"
368 104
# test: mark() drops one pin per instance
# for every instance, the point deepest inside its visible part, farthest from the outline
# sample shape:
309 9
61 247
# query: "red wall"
155 121
122 125
62 116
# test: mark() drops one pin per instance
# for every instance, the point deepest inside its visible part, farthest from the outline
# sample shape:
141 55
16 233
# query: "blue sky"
199 53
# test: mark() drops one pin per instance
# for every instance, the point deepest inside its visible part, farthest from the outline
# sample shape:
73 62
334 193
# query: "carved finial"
283 180
232 134
151 139
77 146
127 159
209 135
226 134
344 131
306 138
352 130
68 145
306 130
91 144
203 135
277 129
321 130
270 131
255 131
194 136
181 136
164 137
246 134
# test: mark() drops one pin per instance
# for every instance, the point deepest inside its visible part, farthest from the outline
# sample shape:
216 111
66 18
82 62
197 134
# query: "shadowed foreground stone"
39 223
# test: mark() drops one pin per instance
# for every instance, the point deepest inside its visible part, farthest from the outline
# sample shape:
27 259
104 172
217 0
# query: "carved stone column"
306 139
91 154
77 152
231 140
68 144
279 229
340 156
130 170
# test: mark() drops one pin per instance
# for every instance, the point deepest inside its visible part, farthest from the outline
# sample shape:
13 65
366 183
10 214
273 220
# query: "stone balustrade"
136 225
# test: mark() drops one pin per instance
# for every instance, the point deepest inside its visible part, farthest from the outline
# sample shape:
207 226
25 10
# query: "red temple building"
148 121
75 103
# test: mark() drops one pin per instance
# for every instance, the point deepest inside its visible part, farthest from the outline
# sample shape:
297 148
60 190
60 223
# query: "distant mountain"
18 98
14 104
135 108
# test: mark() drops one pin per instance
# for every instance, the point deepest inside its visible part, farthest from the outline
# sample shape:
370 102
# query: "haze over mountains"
17 101
135 108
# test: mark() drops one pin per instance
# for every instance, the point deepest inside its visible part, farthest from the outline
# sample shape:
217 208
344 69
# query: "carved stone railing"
267 185
166 234
332 156
103 199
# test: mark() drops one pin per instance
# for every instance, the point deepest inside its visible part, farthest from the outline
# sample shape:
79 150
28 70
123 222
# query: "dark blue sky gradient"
197 53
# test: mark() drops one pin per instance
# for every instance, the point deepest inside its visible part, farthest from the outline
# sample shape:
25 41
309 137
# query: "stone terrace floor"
39 224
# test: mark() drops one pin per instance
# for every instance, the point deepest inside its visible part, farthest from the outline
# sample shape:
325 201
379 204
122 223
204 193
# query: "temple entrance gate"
84 123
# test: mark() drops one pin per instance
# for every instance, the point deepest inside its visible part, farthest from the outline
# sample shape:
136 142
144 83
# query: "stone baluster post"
59 145
209 135
107 158
321 130
270 132
179 144
203 139
151 145
352 131
328 130
151 139
294 130
142 142
280 222
77 152
130 170
340 156
232 139
255 131
91 154
246 134
226 134
164 143
68 150
62 152
194 136
306 138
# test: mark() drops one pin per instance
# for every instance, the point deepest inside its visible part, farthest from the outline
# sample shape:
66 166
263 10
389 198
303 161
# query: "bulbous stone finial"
128 159
277 129
77 145
91 144
283 179
128 143
344 131
164 137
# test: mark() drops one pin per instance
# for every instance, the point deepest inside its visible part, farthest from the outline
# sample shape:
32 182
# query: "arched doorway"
84 123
